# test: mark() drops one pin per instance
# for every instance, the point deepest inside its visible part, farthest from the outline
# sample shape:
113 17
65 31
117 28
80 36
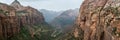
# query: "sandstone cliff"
8 21
98 20
21 23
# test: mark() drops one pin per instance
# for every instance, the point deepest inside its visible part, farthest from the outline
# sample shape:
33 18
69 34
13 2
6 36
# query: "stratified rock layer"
14 17
8 21
98 20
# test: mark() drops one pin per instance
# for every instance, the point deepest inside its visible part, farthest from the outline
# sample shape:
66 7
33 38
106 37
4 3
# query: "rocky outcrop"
30 17
14 17
98 20
28 14
16 4
8 21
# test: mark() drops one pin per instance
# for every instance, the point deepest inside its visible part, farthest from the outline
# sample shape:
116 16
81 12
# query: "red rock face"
97 19
30 16
15 16
8 21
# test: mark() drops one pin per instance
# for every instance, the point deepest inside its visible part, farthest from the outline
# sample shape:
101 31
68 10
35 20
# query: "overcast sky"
56 5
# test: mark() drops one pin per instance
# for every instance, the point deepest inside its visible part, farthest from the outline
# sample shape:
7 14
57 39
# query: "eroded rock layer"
8 21
14 17
98 20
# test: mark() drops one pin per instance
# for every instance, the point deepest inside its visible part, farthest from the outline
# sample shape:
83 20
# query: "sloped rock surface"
17 20
99 20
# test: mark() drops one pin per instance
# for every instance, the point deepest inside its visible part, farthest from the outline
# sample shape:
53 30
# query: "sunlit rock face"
98 20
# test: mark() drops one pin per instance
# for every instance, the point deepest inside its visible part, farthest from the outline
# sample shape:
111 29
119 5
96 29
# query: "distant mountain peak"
15 0
16 4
